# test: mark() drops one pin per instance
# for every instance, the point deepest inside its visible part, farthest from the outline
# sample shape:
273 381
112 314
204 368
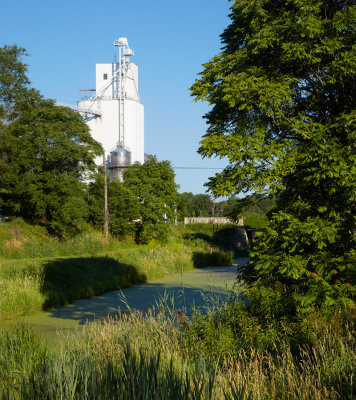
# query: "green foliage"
195 205
321 344
201 205
204 229
256 222
19 239
216 236
45 153
152 183
266 321
140 374
248 206
212 258
220 355
184 201
122 204
21 294
71 217
283 113
124 209
14 91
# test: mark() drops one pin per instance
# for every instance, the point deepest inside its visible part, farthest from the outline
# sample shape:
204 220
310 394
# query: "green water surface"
190 289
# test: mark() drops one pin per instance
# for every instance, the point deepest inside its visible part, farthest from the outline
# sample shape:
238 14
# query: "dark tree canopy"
283 113
45 153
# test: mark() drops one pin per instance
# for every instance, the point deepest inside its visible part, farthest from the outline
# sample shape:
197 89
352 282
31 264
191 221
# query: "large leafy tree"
283 93
123 206
152 183
45 153
15 93
13 78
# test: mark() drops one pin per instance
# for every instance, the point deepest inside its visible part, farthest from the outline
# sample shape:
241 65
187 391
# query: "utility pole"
175 206
106 212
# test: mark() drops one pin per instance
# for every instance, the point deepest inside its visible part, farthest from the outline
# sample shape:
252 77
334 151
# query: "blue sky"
171 40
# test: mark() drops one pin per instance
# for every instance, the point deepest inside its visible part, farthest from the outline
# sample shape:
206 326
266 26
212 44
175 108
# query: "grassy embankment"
39 272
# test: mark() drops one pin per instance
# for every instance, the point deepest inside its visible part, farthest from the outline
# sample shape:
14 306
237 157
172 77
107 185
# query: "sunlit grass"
147 355
51 282
20 296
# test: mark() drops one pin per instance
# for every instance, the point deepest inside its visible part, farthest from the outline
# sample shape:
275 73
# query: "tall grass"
20 296
130 371
20 240
147 356
21 354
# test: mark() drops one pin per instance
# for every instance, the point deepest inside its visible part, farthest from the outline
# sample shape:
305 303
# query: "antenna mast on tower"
124 52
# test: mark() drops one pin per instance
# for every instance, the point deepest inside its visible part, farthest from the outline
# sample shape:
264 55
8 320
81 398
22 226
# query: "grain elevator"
113 111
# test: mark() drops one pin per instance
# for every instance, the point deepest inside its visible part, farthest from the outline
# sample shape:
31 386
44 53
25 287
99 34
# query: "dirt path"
190 289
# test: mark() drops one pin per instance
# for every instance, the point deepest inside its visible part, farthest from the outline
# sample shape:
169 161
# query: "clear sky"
171 40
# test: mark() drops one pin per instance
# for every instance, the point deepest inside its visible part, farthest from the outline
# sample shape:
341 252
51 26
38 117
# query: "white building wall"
111 85
134 137
105 129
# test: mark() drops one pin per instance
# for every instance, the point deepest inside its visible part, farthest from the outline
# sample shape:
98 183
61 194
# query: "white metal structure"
114 113
87 113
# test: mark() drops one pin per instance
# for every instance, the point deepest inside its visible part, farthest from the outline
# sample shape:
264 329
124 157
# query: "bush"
267 322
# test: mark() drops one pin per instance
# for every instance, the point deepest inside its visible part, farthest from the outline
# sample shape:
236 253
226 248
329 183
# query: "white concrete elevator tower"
114 113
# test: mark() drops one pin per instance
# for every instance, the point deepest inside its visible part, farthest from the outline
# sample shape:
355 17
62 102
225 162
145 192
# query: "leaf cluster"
283 113
143 205
152 183
46 152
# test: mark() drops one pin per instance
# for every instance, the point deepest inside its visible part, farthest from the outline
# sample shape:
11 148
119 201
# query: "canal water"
198 288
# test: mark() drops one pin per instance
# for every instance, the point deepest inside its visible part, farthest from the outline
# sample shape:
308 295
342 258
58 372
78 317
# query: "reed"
149 355
129 372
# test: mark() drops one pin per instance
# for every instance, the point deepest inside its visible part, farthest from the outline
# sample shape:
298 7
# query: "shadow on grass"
68 279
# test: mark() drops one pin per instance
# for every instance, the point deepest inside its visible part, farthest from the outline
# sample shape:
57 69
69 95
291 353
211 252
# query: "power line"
197 168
